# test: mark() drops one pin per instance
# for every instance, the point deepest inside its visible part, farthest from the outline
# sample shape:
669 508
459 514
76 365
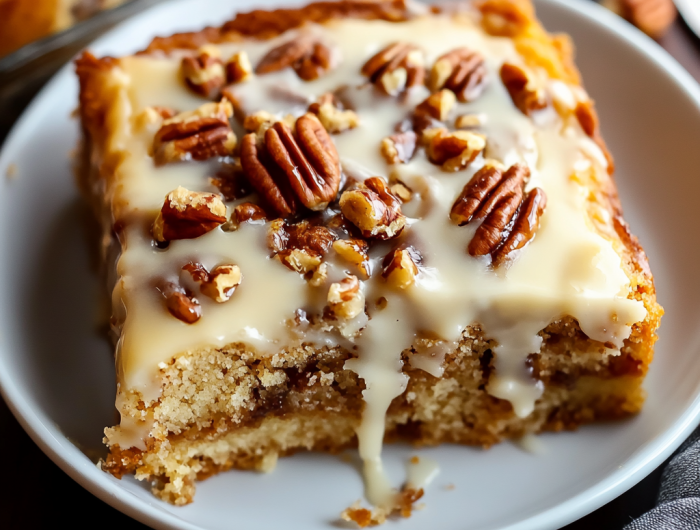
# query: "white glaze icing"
568 269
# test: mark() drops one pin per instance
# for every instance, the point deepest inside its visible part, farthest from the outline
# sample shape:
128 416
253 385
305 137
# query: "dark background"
37 494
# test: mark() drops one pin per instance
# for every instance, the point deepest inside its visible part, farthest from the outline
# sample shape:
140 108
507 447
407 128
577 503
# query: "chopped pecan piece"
373 209
188 214
248 212
301 235
196 135
238 68
401 267
469 121
291 168
462 71
525 226
453 151
402 191
333 117
345 298
219 284
300 260
309 58
180 303
204 73
526 97
395 68
495 198
398 148
437 105
231 182
354 251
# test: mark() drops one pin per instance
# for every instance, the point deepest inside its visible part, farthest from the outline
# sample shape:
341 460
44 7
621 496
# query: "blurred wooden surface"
39 495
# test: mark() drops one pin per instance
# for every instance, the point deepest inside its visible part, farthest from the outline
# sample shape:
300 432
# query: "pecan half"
332 115
188 214
495 198
373 209
196 135
453 151
398 148
238 68
345 298
437 105
462 71
204 73
395 68
526 97
290 168
180 303
401 267
219 284
309 58
525 226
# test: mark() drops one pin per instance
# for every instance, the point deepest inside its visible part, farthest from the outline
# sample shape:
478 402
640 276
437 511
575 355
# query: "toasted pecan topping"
437 105
196 135
355 252
345 298
469 121
395 68
373 209
309 58
287 168
526 97
301 235
300 260
204 73
179 302
248 212
188 214
219 284
398 148
231 181
525 226
462 71
238 68
453 151
332 116
495 198
401 267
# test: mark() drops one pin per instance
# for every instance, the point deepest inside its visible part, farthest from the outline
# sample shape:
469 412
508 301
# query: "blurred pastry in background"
653 17
22 21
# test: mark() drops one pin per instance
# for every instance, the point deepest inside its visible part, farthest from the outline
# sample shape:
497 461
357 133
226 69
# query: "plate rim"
71 460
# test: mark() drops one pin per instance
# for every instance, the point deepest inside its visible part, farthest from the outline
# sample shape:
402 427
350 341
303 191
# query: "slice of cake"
22 22
357 222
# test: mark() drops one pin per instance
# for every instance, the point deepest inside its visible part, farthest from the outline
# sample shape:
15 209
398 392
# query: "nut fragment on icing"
345 298
204 73
196 135
396 68
373 209
453 151
188 214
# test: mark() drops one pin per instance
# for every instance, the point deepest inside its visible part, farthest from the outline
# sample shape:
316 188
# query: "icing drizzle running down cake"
400 219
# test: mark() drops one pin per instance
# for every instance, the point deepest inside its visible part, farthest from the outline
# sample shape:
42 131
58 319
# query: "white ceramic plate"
56 370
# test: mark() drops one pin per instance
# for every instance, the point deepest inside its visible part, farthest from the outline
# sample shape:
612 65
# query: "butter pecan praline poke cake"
357 222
